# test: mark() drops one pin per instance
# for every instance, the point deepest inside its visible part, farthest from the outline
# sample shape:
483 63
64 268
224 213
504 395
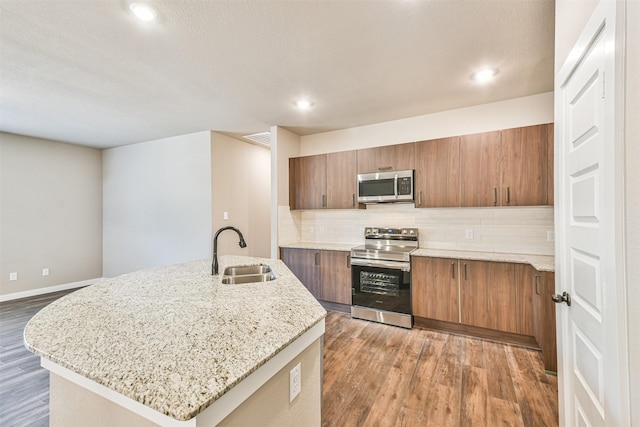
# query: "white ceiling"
89 73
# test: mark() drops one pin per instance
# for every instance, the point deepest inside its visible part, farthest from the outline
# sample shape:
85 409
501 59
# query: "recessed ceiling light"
143 12
484 75
303 104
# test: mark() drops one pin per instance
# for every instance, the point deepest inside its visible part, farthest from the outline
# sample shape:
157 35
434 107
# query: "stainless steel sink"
248 278
247 269
247 274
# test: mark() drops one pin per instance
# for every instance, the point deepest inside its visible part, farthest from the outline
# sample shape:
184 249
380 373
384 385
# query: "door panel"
335 273
341 180
305 265
593 371
434 288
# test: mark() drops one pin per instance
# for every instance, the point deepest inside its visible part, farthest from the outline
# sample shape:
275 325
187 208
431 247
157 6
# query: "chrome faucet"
242 243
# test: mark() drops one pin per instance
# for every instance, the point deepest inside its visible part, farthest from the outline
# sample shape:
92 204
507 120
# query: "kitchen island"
175 346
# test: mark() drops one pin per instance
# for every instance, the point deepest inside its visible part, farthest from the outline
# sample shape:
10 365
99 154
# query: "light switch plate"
13 276
45 271
551 236
469 233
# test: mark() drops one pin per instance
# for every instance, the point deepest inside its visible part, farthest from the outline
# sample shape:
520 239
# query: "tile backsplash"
503 229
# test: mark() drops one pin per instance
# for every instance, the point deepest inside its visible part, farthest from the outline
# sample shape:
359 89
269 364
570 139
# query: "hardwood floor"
24 385
378 375
374 375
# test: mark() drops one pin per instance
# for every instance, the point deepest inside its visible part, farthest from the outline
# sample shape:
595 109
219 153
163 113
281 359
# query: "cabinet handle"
465 271
508 194
537 281
324 201
495 195
420 198
348 261
317 258
353 200
453 270
385 168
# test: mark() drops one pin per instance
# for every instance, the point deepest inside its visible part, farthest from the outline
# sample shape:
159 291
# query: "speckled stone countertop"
539 262
174 338
322 246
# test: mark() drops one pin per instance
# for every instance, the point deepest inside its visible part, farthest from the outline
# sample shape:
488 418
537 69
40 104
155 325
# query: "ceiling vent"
263 138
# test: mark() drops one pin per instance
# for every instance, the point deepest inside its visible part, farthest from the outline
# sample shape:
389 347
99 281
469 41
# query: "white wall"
526 111
157 203
50 214
284 144
241 186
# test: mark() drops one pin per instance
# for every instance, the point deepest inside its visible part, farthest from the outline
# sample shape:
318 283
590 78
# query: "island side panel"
269 405
71 405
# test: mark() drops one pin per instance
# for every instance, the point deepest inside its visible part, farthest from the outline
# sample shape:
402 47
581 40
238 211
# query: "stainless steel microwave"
386 187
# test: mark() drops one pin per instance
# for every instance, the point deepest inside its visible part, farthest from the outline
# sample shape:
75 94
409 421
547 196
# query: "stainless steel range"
381 275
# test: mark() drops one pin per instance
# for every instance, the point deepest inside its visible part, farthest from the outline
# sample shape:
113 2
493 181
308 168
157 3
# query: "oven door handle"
403 266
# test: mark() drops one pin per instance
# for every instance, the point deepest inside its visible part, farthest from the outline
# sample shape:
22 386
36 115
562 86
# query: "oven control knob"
404 231
411 232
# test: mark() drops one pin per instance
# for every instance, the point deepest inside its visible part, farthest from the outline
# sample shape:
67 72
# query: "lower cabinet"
501 301
544 314
488 295
327 274
434 288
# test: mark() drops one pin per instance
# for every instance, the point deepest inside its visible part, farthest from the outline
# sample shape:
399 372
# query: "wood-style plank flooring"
374 375
378 375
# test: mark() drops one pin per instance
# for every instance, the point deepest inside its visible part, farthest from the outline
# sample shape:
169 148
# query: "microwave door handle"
395 186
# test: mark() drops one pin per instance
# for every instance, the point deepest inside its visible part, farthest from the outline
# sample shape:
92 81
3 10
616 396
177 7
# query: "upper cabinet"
341 180
512 167
437 177
324 181
505 168
524 166
480 169
308 182
387 158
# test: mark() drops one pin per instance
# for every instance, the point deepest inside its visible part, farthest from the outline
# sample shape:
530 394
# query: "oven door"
381 285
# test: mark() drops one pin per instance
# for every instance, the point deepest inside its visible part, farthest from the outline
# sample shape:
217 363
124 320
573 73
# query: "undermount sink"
247 274
247 269
248 278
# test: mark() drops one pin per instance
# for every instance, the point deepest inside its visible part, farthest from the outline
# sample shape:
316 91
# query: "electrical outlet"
469 233
13 276
321 229
225 216
295 382
45 271
311 230
551 236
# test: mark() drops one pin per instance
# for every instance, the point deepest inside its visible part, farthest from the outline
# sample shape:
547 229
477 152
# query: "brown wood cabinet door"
438 173
305 265
544 311
342 180
387 158
434 288
550 163
524 299
480 169
308 182
335 273
488 295
524 166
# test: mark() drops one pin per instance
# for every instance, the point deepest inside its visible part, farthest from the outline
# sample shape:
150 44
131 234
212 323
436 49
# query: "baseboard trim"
49 289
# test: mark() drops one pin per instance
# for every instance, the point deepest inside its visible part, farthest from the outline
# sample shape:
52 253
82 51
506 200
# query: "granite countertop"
174 338
539 262
322 246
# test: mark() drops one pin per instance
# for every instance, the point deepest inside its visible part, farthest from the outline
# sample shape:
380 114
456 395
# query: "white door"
593 372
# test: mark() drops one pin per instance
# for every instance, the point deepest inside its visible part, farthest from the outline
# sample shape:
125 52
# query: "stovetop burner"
383 243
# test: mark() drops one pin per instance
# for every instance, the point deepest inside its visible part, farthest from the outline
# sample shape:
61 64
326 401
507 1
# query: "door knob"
559 299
